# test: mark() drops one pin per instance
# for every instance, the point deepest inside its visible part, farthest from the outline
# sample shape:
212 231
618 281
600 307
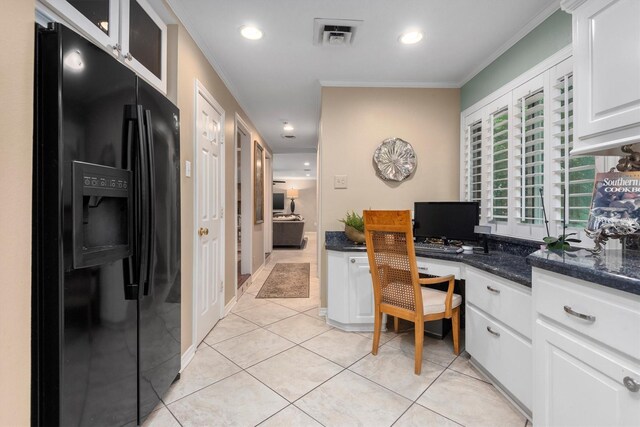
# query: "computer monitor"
449 220
278 201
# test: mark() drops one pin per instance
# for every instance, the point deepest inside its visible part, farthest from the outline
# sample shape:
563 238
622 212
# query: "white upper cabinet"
606 50
130 29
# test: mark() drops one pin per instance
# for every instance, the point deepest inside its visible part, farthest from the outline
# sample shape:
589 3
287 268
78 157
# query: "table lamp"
292 194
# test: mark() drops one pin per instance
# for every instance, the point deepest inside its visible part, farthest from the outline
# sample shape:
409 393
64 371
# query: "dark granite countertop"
612 268
501 263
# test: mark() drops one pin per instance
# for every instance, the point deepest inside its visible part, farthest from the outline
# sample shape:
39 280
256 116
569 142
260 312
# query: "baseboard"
229 306
322 311
187 357
258 271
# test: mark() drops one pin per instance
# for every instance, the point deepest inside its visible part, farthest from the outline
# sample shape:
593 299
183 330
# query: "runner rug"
287 280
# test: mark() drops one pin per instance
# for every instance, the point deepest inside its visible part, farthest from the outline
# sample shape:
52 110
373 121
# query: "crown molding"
571 5
407 85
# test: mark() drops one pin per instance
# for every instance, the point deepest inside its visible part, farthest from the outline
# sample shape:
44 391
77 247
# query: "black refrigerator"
106 237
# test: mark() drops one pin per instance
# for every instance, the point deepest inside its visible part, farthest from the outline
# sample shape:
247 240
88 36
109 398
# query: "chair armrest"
436 280
448 302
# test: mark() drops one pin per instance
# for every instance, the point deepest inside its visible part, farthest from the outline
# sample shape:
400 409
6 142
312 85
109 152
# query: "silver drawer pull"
494 290
631 384
491 331
586 317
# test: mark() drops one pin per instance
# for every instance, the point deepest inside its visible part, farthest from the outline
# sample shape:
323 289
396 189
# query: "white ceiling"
279 77
292 165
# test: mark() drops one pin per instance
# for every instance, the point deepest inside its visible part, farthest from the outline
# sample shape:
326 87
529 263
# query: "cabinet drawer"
506 301
612 319
438 267
502 353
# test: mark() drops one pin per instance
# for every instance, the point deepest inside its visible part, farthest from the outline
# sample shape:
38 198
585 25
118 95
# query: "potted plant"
562 242
354 227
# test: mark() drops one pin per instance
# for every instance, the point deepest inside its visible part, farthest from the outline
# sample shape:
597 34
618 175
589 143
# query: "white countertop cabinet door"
606 50
586 353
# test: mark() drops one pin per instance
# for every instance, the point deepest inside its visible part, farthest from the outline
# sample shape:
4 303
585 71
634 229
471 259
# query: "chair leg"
419 342
396 326
377 325
455 325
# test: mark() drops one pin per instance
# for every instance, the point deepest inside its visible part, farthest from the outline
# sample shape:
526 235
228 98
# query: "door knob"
202 231
206 231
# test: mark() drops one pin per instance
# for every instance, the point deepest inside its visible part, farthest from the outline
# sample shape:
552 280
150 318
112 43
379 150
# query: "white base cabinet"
350 291
586 368
498 332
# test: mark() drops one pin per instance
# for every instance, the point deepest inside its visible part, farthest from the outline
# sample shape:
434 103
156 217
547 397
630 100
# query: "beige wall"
356 120
306 204
192 65
16 122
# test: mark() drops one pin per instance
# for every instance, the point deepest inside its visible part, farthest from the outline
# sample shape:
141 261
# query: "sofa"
288 230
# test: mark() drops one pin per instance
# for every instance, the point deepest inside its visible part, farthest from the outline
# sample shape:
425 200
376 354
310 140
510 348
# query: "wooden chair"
397 287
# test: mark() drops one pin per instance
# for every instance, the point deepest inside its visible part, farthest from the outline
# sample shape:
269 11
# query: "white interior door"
209 289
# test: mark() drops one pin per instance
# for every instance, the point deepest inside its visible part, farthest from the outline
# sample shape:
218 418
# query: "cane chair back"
396 284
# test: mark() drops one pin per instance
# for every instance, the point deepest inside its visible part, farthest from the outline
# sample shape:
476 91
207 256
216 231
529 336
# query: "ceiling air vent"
288 136
334 32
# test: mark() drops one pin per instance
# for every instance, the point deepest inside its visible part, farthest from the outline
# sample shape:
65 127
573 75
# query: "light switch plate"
187 168
340 181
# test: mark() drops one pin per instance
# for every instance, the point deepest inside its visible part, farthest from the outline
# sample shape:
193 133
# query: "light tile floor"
275 362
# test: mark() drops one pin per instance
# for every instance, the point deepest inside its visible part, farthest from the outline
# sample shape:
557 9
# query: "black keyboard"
433 247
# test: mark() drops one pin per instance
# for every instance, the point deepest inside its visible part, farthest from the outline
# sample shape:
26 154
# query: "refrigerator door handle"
142 190
135 267
152 197
128 267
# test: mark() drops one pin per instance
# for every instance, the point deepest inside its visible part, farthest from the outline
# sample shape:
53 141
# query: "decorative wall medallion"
395 159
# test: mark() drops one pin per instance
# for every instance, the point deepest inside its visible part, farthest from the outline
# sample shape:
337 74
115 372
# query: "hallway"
275 362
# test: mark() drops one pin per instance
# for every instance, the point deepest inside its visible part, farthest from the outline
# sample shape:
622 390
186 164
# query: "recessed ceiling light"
306 163
251 33
287 127
411 37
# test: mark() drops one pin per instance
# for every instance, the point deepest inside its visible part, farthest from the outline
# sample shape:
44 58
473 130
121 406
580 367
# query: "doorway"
208 214
268 205
244 205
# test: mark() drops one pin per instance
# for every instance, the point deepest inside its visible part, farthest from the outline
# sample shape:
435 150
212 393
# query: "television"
446 220
278 201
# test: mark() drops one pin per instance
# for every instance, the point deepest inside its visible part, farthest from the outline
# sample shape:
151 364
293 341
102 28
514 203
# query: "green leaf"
550 240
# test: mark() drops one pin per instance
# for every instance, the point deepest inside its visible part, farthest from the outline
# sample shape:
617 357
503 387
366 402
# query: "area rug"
287 280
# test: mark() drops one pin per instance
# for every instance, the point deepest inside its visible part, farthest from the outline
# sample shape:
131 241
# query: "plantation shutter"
529 156
498 159
473 174
579 172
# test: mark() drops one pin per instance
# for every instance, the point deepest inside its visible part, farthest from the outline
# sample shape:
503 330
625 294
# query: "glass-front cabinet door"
99 19
144 41
131 29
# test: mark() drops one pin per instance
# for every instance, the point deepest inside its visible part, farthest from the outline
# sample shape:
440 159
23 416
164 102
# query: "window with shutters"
523 136
499 160
529 142
475 194
578 172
